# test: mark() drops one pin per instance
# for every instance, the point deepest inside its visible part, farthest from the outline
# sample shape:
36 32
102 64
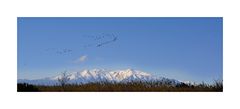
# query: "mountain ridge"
99 75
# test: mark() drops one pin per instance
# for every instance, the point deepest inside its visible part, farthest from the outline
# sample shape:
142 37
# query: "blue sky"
180 48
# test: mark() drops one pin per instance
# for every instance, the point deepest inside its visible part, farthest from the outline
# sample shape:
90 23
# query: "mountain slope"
99 75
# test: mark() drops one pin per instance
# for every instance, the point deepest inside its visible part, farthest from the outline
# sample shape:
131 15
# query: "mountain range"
101 75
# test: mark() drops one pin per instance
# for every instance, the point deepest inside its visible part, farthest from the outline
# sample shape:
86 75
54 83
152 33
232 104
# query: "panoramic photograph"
119 54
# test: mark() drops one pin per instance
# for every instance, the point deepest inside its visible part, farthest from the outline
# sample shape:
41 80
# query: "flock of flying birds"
95 41
92 41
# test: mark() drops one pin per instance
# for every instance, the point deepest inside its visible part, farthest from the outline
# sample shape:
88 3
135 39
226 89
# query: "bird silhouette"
112 39
100 40
59 50
91 41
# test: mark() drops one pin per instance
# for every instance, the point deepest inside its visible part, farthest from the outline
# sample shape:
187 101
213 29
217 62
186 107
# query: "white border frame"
11 9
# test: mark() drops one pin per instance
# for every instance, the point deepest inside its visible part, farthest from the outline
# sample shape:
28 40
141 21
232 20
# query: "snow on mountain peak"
96 75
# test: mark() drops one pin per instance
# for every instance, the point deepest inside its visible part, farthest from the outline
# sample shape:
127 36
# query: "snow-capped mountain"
99 75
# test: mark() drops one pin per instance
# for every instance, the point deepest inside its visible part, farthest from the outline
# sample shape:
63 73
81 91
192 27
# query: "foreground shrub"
218 85
130 86
24 87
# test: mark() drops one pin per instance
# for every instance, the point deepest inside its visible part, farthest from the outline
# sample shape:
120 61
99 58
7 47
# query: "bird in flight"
107 42
100 40
59 50
91 41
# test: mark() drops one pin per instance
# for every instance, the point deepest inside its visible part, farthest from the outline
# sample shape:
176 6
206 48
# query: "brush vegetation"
134 86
